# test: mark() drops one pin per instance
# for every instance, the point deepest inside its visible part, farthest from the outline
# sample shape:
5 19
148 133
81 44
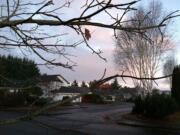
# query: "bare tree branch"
100 82
18 16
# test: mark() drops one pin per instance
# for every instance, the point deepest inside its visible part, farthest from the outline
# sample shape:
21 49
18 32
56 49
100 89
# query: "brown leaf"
87 34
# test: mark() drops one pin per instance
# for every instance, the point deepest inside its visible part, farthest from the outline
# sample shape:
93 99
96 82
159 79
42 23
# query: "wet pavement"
79 120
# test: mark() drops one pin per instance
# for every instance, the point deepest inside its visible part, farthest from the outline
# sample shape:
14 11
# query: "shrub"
13 99
34 91
42 101
3 93
66 98
109 98
155 105
93 98
20 97
139 105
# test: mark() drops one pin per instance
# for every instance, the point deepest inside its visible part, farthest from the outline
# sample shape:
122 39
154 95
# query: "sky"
90 66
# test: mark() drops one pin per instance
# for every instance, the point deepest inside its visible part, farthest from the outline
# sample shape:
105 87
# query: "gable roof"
64 79
53 78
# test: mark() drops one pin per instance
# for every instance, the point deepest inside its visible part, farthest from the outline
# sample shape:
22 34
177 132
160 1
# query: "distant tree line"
113 85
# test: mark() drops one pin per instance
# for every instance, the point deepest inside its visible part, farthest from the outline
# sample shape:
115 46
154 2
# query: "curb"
135 123
145 125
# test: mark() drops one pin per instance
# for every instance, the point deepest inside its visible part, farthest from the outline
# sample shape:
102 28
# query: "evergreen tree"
74 84
83 84
115 84
175 90
17 71
92 84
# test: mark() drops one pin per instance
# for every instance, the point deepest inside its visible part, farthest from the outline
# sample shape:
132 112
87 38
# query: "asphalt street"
78 120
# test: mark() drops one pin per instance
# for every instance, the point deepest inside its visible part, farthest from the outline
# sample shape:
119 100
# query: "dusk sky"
90 66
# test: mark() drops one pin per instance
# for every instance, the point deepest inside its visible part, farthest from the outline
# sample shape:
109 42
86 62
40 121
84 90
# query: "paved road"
80 120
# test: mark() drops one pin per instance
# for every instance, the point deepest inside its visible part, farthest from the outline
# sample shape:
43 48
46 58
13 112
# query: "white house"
59 94
49 83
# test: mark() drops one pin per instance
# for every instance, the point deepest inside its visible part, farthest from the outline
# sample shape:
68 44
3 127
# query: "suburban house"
122 94
49 83
61 93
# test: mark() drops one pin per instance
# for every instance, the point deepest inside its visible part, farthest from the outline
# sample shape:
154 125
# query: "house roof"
71 90
53 78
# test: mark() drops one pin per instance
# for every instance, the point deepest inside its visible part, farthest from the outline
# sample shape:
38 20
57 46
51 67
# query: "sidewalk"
119 118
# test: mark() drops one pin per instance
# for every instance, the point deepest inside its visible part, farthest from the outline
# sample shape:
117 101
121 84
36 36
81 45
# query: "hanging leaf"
87 34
